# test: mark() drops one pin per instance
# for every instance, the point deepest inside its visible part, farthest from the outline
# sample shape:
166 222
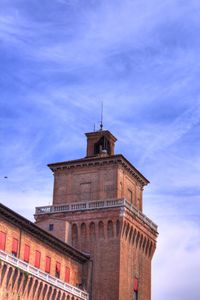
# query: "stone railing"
42 275
82 206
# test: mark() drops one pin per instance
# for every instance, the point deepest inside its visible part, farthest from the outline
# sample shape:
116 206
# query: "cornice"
99 161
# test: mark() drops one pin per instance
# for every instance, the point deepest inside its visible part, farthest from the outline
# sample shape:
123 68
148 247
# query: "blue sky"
59 59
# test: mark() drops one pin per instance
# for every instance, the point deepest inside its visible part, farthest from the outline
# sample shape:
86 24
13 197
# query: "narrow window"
51 227
57 273
37 258
67 274
14 247
48 264
26 253
2 240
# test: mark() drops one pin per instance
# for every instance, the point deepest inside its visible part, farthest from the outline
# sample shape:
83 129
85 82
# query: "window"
51 226
2 240
57 273
37 258
48 264
26 253
14 247
67 274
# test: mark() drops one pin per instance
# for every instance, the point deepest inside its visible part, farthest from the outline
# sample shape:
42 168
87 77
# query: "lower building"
36 265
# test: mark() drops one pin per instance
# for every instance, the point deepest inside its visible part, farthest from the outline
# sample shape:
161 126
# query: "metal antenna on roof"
101 124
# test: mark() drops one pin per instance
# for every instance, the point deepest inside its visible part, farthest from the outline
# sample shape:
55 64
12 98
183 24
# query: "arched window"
74 234
117 227
83 231
102 145
92 232
110 229
101 230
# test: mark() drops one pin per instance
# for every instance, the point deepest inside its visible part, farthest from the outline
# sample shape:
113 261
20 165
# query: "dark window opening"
51 226
14 247
135 295
102 145
57 273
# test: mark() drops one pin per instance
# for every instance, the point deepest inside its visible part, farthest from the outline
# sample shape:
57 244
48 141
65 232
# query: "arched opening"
117 227
92 232
101 230
83 231
110 229
74 234
102 145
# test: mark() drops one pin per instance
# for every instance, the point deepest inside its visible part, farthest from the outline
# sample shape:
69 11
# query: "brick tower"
97 208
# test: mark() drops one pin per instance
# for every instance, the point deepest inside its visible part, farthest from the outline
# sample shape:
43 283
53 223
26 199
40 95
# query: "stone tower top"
100 143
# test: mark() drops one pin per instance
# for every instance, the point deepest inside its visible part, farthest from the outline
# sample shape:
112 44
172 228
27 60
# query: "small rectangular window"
26 253
48 264
14 247
37 258
67 274
51 226
2 240
57 273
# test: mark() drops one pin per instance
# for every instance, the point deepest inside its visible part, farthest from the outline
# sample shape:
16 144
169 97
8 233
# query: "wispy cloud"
59 60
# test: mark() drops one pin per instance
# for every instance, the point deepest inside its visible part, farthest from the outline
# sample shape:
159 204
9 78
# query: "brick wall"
35 244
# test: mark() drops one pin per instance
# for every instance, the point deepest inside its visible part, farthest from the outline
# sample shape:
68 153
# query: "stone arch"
101 230
68 297
74 234
83 231
110 232
117 228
